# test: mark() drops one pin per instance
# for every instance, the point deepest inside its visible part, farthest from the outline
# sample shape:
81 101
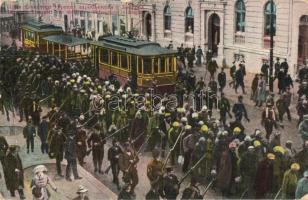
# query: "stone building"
230 28
233 28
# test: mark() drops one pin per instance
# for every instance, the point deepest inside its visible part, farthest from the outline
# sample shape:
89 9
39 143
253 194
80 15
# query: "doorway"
303 40
214 33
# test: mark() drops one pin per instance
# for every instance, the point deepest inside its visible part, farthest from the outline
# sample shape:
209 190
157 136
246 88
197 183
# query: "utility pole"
271 45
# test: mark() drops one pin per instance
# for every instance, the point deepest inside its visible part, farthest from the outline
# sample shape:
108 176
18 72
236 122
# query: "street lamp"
126 13
271 44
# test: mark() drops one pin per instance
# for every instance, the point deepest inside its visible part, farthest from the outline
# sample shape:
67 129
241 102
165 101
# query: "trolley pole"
271 46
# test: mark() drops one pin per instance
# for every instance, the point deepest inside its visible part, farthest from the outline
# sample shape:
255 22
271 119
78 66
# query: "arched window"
269 15
240 13
189 20
167 18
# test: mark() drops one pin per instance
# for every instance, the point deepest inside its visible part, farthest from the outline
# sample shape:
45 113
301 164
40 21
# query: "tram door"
134 70
95 60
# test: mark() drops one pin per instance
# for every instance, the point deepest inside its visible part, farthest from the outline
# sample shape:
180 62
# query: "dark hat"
13 148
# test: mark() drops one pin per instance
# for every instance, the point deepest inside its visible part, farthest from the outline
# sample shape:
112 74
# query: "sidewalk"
66 190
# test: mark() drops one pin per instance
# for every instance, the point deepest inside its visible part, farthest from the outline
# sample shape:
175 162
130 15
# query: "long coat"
14 180
138 128
264 178
261 91
57 145
225 170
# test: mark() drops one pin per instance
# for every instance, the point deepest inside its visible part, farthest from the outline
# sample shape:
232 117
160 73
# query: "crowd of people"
85 113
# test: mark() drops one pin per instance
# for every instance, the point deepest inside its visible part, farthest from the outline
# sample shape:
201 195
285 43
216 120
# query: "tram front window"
162 65
170 66
114 58
147 66
124 61
104 56
155 65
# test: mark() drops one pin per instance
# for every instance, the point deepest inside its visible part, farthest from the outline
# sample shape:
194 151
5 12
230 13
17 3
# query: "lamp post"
271 44
126 12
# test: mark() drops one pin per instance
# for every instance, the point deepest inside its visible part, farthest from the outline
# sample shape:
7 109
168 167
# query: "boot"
21 194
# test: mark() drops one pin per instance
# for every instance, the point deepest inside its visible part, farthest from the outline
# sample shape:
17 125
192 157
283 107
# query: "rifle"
191 169
109 167
117 131
139 150
208 187
242 196
278 193
169 153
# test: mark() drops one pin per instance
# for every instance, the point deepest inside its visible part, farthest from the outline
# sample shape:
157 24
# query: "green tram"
145 63
33 33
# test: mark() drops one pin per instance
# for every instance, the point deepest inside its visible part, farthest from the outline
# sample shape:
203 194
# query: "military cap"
237 130
295 166
256 143
167 114
200 123
270 156
204 128
195 115
184 119
251 147
279 149
306 174
188 127
175 124
247 138
180 110
204 108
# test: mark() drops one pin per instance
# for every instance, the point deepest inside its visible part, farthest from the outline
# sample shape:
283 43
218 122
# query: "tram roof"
133 46
67 40
41 27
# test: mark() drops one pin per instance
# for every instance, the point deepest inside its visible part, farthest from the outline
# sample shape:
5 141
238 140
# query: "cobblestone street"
288 133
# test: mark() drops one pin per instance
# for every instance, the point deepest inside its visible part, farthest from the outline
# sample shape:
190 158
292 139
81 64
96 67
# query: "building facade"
230 28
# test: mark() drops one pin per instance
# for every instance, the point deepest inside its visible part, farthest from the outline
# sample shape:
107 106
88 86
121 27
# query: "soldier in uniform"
56 151
277 67
173 134
239 79
281 107
232 74
212 67
269 119
222 80
128 164
81 137
114 153
224 108
29 133
155 172
170 184
96 142
42 132
192 191
13 172
70 156
199 55
239 110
